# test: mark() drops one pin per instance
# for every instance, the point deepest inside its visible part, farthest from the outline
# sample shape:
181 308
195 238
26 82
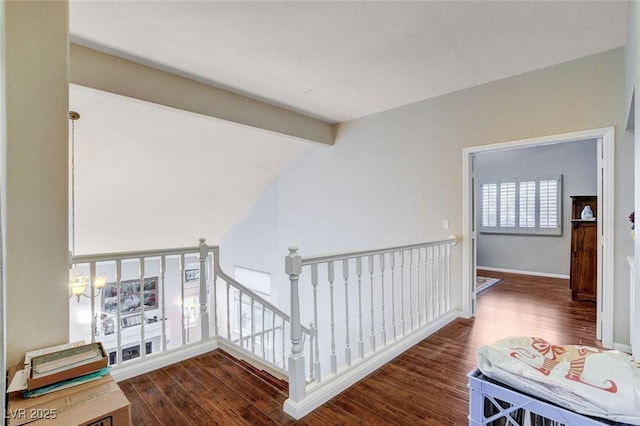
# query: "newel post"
293 268
204 315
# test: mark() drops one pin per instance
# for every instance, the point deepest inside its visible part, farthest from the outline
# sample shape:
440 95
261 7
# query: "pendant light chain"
73 116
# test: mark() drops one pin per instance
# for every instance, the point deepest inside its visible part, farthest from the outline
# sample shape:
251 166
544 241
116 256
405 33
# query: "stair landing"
426 385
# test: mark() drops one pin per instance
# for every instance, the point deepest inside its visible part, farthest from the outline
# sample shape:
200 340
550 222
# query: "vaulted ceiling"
142 167
340 60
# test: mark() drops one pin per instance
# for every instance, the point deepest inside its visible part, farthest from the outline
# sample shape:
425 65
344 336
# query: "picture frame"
191 275
130 321
130 296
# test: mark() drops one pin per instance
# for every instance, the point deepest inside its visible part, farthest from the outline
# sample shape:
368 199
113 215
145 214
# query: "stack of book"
66 367
72 385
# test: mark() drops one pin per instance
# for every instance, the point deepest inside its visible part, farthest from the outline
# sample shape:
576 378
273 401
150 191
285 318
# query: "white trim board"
606 191
515 271
155 362
319 393
622 347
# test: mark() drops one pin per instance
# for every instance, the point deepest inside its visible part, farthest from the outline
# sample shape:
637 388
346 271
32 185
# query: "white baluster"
402 292
392 264
253 326
273 338
163 265
427 287
204 314
118 312
411 288
316 356
94 315
334 361
360 332
448 282
314 283
143 352
214 303
263 336
438 281
182 323
240 316
345 275
311 351
432 283
372 337
284 322
228 311
443 276
314 286
293 268
418 299
384 322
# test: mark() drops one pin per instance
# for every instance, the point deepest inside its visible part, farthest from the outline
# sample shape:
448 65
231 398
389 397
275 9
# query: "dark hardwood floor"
426 385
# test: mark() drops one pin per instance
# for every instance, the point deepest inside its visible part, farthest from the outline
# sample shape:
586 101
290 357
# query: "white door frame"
604 314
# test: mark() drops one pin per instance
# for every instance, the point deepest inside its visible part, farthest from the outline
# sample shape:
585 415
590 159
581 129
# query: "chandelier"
77 282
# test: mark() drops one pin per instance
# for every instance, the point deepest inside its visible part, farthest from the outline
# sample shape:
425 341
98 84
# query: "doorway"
605 194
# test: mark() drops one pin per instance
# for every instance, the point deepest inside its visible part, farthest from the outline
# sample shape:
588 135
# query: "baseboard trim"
319 393
254 360
515 271
622 347
154 362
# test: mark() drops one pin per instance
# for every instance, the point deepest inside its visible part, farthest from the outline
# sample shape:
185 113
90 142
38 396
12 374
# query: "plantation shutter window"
490 205
527 204
549 204
521 206
507 205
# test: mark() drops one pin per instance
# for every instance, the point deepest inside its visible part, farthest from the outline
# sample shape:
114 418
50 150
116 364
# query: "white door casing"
605 137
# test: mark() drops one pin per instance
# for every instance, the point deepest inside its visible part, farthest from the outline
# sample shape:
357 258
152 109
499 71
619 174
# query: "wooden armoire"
584 249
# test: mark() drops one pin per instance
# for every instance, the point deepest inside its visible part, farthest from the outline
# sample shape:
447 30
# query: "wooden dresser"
584 250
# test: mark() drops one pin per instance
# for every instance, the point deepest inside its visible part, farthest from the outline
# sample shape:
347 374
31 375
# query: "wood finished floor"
426 385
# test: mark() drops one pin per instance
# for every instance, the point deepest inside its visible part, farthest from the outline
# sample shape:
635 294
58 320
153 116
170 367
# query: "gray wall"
577 163
393 177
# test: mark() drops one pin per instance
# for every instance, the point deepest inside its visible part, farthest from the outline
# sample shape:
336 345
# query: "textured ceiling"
342 60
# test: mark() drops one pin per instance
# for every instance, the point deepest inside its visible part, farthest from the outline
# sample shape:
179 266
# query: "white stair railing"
363 309
389 298
250 323
185 300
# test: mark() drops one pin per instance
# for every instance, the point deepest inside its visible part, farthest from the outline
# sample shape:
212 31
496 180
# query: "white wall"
577 163
149 176
35 174
391 178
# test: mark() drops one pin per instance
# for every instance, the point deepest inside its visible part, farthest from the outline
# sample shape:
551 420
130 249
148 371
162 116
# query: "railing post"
293 268
204 315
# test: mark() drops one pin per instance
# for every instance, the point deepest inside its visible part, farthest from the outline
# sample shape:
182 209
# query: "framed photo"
191 275
131 296
130 321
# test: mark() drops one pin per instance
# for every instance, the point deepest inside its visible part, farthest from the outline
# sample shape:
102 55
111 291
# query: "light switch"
445 224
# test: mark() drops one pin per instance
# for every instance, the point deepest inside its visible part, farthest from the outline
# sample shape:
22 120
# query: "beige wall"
35 175
3 202
102 71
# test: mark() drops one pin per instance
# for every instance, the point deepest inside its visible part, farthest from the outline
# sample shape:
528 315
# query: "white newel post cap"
203 248
293 262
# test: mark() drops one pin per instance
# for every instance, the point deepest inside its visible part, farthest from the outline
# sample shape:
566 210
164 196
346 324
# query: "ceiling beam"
103 71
